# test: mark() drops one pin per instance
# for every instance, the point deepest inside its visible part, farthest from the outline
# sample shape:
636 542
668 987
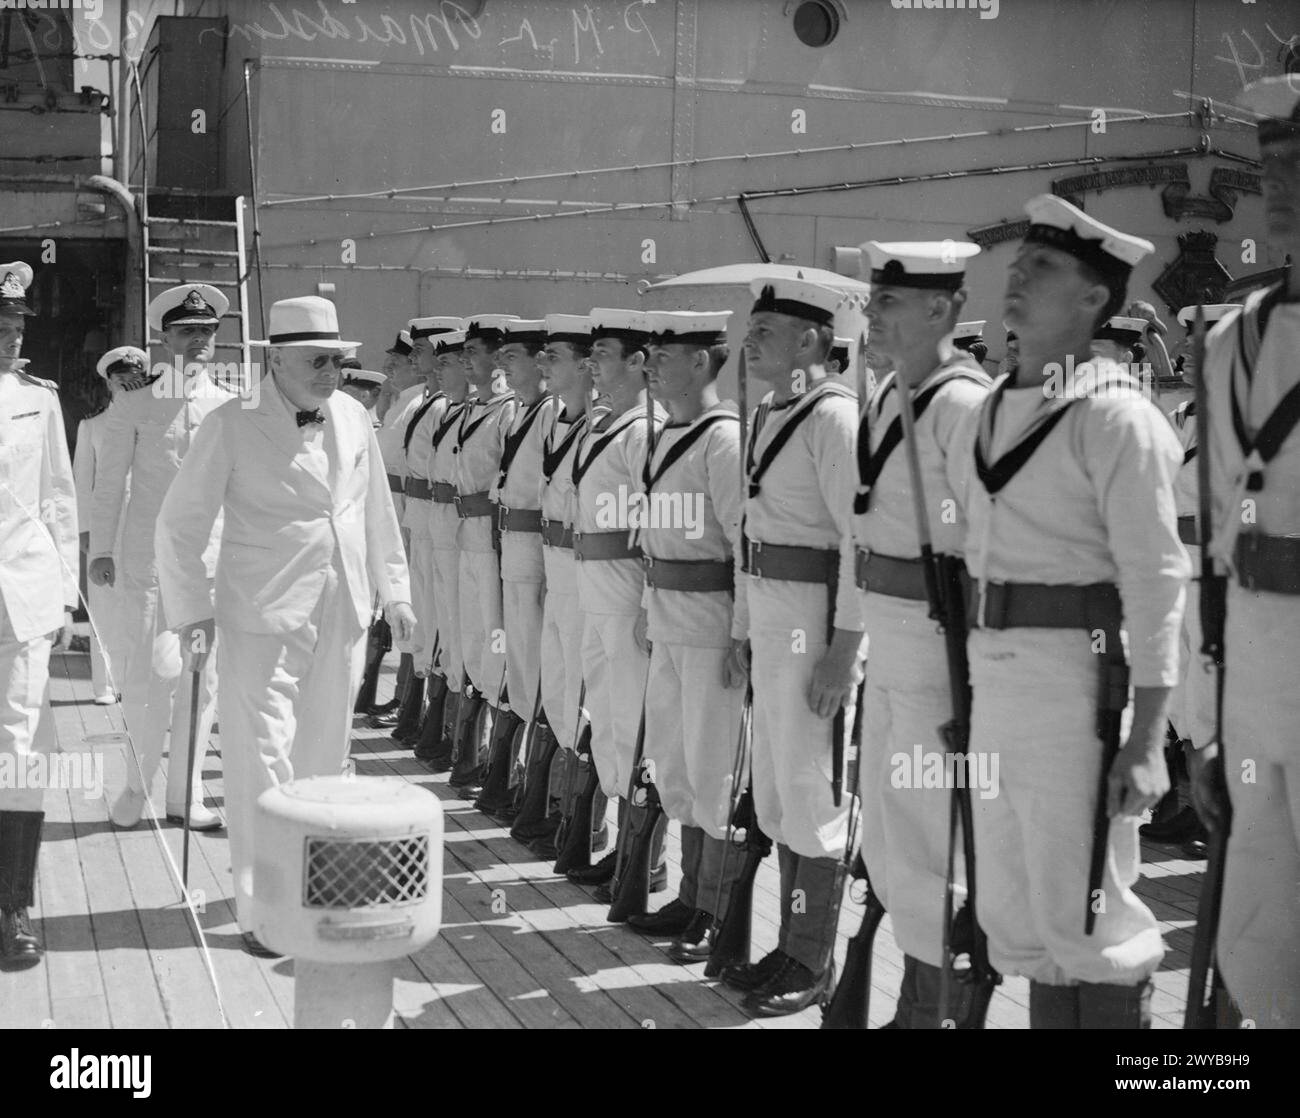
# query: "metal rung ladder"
205 251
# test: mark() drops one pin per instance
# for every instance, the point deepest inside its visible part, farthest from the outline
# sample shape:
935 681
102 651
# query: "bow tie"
313 416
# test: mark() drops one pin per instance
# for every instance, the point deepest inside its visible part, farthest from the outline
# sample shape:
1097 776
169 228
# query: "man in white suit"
310 538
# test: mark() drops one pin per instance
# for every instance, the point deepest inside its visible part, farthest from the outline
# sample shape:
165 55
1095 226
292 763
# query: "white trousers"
615 671
24 681
423 601
286 712
106 659
445 565
905 823
482 629
522 616
692 723
155 698
561 666
1259 924
792 746
1035 705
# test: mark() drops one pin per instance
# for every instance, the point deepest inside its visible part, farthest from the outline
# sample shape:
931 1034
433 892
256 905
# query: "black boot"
427 748
1110 1006
1053 1007
496 797
534 821
445 758
791 990
20 842
386 714
573 836
753 976
408 720
467 764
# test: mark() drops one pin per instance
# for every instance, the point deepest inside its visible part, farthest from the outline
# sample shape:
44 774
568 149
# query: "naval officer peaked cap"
568 328
1056 223
698 328
938 265
1275 104
307 320
1122 329
527 331
435 324
190 304
1213 312
489 327
15 279
453 341
401 347
798 298
123 359
967 333
363 376
620 323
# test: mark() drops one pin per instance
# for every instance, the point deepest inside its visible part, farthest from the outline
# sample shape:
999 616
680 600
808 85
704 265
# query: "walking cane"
189 776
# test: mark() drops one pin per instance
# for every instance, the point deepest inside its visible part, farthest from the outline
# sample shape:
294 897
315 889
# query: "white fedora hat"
308 320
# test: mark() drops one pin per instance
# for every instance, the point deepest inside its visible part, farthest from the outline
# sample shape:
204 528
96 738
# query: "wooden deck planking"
541 956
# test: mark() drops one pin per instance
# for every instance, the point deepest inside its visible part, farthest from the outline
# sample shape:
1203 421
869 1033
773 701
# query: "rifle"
378 643
732 930
945 593
850 1002
1203 1011
636 828
573 835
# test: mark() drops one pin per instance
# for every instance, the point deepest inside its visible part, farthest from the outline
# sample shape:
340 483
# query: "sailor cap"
1122 329
1213 312
698 328
435 324
568 328
930 264
798 298
1275 102
618 322
362 376
401 347
451 342
967 333
15 279
526 331
490 327
123 359
1056 223
190 304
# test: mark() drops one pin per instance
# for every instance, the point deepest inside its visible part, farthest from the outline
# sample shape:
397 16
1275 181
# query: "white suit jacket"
287 510
38 508
148 433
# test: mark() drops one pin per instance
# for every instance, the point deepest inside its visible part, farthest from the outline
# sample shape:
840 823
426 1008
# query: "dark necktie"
313 416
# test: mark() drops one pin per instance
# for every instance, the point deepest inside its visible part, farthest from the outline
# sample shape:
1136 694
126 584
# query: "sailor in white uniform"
917 291
38 592
1066 475
364 386
149 433
798 621
1253 377
310 538
123 369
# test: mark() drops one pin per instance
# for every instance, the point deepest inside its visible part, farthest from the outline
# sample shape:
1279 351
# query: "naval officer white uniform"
149 433
310 539
38 590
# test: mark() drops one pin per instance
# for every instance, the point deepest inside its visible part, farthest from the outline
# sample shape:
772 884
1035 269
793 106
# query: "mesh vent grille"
366 873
